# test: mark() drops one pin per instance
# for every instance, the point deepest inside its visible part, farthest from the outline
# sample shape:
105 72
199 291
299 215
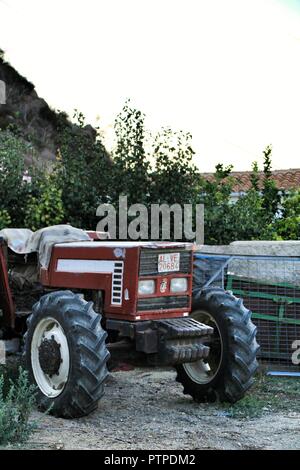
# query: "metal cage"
270 288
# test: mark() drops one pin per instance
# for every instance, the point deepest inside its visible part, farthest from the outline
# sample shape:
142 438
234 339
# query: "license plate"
168 262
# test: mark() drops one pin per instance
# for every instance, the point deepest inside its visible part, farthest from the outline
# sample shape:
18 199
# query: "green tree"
270 192
84 172
5 219
254 177
287 226
131 164
215 195
13 187
248 219
175 178
45 206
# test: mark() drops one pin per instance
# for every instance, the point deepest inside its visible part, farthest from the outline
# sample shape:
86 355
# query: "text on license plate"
168 262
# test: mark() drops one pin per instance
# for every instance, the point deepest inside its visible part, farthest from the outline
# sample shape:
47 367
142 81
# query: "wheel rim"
205 370
50 357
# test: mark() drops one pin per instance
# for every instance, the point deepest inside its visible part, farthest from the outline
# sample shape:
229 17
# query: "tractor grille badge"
163 286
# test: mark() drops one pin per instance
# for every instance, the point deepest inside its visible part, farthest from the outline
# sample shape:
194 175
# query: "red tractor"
68 295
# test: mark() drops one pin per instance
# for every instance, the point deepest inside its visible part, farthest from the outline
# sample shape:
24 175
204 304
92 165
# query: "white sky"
227 71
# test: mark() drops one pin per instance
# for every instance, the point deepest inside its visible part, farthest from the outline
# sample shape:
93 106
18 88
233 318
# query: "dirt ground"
146 409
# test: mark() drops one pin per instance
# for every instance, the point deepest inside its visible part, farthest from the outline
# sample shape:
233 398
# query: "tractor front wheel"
66 354
228 371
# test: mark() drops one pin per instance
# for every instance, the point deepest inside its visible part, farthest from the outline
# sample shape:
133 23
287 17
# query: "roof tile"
285 179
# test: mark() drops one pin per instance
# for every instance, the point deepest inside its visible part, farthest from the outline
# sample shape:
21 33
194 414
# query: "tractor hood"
130 244
24 241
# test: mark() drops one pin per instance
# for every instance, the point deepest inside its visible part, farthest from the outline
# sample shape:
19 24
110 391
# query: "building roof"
285 179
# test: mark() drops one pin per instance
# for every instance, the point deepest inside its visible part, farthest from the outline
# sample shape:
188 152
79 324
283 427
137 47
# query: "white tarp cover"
24 241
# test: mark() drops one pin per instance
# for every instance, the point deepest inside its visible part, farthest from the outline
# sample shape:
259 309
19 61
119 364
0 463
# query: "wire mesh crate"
270 288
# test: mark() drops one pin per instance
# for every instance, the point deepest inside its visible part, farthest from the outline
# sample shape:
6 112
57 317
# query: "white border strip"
85 266
116 268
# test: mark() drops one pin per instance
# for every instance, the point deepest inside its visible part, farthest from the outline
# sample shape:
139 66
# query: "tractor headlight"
146 287
179 284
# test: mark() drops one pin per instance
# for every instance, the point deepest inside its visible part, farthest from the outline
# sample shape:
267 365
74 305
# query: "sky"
228 71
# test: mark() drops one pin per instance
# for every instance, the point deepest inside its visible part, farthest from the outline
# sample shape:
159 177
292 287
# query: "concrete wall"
275 270
262 248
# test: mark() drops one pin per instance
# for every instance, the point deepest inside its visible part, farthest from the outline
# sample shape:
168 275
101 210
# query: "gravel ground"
145 408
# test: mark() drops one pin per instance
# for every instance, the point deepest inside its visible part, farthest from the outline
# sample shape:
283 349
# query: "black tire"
233 344
88 354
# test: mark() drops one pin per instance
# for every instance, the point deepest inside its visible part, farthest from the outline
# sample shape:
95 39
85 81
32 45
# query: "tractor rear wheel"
66 354
229 370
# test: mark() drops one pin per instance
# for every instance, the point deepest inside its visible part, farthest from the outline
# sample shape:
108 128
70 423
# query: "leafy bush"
16 404
215 195
252 217
175 178
147 169
287 225
13 188
84 173
131 168
5 219
45 205
270 193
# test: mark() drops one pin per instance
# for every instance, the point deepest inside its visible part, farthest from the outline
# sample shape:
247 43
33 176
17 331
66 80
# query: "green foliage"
252 217
84 173
268 394
175 178
248 218
215 195
152 170
255 213
255 177
5 219
131 166
16 404
13 189
287 226
270 193
45 205
164 173
148 170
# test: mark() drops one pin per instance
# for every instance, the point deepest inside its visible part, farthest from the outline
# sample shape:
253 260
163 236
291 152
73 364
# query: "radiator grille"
169 302
149 261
